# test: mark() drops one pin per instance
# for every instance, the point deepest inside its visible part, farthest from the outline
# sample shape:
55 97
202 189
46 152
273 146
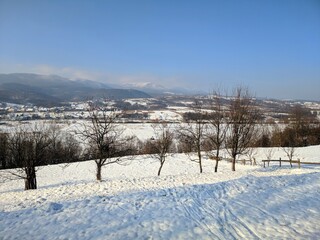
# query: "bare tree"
193 132
217 126
276 136
243 116
4 140
56 148
269 154
28 150
251 153
64 149
28 147
71 149
162 143
302 123
290 150
263 138
106 143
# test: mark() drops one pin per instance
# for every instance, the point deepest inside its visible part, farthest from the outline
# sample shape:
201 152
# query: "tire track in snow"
195 212
217 196
202 211
240 228
227 228
223 219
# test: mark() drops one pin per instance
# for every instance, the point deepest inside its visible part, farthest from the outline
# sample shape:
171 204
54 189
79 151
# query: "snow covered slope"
132 203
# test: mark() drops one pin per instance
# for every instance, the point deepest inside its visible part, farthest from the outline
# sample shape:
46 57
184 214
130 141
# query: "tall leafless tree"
192 133
28 150
104 136
243 116
64 147
27 147
162 143
217 126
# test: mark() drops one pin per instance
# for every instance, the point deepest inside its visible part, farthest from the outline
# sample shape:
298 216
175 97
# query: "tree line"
28 147
212 126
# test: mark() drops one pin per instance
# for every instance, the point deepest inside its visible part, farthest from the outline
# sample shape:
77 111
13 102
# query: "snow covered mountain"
157 89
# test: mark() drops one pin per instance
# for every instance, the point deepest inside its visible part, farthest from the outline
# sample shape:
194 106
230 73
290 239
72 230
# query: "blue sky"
273 47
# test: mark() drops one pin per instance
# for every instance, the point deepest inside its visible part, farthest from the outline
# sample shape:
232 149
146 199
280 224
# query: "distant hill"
49 90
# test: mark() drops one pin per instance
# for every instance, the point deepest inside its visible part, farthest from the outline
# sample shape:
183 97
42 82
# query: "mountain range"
158 89
50 90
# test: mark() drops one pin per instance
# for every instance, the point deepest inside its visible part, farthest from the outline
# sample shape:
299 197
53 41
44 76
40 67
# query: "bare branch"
243 116
104 137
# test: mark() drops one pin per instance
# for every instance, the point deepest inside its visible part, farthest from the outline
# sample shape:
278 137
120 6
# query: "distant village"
17 112
72 110
150 109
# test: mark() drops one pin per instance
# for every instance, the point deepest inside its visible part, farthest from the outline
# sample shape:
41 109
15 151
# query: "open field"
132 203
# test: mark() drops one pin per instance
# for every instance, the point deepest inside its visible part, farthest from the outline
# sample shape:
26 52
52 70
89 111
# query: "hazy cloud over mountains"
53 89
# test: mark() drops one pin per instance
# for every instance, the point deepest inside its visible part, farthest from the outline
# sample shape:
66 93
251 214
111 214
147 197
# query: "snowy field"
133 203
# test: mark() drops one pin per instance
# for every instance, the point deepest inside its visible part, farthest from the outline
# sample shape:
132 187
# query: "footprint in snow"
54 207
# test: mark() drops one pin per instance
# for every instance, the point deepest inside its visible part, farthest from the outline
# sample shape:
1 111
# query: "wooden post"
264 164
299 162
268 162
280 161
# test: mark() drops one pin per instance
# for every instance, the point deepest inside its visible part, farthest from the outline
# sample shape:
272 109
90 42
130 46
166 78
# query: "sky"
272 47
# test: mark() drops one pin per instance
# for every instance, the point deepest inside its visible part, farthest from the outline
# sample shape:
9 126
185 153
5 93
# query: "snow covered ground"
166 115
133 203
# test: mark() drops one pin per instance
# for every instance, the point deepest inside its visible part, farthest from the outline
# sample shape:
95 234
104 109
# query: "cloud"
68 72
44 69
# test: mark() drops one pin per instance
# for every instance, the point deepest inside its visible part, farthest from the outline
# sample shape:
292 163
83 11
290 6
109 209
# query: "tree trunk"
216 167
159 171
98 175
161 165
234 163
200 161
217 159
31 180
